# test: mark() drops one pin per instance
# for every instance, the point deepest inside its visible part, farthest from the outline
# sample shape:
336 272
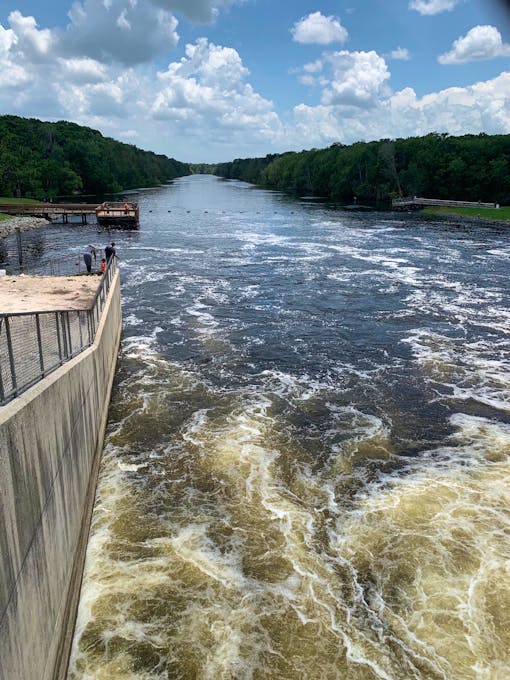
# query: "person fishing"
90 252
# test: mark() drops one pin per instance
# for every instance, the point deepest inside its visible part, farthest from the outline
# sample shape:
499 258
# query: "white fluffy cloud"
479 44
205 95
358 78
12 74
319 29
24 49
32 41
351 79
429 7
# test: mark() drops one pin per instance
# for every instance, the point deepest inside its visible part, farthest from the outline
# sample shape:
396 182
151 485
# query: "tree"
39 159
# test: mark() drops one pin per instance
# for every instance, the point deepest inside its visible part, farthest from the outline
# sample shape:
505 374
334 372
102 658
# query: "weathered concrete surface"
50 442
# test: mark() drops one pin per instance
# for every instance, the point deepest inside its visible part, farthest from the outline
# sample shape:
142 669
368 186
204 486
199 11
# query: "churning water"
306 471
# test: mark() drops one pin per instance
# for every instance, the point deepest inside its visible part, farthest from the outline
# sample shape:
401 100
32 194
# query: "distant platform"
118 215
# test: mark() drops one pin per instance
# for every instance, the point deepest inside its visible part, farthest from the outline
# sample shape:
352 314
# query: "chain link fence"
32 345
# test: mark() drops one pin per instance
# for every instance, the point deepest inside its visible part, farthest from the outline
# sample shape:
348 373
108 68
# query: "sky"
213 80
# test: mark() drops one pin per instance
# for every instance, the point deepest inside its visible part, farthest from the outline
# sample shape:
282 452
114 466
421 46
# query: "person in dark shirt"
89 253
110 252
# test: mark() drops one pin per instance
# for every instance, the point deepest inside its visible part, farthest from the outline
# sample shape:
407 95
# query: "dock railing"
33 344
416 201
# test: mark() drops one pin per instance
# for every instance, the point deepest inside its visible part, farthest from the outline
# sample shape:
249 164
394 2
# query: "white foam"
131 467
468 370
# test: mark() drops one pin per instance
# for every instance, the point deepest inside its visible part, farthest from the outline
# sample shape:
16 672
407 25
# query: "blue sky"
213 80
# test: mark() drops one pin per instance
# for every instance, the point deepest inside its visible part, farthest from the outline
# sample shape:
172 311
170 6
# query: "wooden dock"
116 214
50 211
108 214
415 203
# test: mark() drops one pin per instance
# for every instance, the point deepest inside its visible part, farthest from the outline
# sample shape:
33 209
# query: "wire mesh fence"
55 251
49 266
32 345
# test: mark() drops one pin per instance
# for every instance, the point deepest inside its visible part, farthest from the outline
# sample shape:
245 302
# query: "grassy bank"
502 213
9 199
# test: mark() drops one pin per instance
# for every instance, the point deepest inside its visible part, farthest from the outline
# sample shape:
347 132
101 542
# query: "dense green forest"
46 160
466 168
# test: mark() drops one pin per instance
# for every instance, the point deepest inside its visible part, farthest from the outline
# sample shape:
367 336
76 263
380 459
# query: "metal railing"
34 344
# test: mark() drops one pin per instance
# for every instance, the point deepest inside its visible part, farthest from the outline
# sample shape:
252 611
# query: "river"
306 468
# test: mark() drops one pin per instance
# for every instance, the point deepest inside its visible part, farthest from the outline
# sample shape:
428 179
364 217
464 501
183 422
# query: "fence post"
80 329
69 336
65 346
2 391
90 320
39 343
11 355
59 339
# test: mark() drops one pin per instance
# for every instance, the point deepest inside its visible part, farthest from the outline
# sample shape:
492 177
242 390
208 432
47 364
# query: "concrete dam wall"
50 443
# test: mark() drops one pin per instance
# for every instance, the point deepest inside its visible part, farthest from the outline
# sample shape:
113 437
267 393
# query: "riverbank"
486 214
11 225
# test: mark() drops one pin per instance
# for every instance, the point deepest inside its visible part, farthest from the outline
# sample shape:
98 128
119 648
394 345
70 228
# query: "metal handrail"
27 357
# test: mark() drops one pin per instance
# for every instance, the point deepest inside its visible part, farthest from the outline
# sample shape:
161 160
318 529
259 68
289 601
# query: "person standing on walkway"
110 252
89 253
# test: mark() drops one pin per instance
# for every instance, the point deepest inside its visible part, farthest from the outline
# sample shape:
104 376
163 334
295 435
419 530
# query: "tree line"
464 168
45 160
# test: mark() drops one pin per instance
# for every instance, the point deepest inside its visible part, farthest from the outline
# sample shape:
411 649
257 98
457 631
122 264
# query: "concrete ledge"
50 443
